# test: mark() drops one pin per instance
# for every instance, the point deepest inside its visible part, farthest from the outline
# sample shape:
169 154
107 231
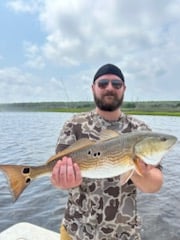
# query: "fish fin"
108 134
80 144
126 176
18 178
137 165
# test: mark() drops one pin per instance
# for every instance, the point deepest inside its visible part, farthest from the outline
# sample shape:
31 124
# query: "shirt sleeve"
66 136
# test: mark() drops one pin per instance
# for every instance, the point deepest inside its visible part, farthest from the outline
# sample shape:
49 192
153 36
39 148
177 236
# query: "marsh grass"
160 108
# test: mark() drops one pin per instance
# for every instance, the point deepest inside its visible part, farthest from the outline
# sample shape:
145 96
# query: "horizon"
163 101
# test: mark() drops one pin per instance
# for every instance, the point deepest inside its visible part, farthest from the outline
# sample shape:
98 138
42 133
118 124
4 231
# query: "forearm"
151 181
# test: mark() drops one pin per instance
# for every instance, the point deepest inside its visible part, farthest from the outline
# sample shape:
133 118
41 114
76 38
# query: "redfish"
112 155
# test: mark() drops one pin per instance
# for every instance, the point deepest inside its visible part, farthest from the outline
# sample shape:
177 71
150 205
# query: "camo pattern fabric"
100 209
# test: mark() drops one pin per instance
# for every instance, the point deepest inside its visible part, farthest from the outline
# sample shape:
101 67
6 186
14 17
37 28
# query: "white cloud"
19 86
61 51
30 6
82 31
142 37
10 76
13 84
33 56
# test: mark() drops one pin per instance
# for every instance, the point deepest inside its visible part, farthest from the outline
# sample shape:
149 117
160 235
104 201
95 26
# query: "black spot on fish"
97 154
28 180
89 152
26 170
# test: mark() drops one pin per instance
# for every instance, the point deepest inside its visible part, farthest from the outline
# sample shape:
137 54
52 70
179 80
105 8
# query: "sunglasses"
116 83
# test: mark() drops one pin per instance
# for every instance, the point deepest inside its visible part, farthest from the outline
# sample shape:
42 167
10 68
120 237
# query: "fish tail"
19 178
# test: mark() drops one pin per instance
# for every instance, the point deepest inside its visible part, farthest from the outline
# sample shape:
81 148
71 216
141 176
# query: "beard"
111 106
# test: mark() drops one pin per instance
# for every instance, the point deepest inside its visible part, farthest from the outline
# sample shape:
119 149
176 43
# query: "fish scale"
105 159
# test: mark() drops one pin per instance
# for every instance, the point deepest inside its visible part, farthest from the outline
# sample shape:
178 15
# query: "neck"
109 116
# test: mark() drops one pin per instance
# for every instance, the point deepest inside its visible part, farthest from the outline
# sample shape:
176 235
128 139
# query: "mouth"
111 95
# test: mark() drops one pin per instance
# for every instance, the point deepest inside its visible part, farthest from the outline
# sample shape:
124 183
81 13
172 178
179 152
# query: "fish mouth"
172 142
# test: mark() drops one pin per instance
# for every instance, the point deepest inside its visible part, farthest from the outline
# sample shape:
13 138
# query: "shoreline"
79 110
154 108
130 112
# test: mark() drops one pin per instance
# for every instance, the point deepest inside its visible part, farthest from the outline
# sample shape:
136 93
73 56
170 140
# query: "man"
102 209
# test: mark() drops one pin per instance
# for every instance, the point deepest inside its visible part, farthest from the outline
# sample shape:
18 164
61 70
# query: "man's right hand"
66 174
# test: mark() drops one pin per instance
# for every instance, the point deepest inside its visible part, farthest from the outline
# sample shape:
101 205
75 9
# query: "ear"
93 86
124 87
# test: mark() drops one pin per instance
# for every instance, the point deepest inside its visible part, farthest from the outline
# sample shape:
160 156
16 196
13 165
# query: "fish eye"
163 139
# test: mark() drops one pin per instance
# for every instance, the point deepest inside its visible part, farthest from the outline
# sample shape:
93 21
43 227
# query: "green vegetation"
176 114
160 108
164 108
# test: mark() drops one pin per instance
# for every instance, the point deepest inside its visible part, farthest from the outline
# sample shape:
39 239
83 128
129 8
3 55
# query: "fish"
113 154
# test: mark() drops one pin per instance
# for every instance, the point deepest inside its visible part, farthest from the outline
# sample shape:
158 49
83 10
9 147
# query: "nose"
109 86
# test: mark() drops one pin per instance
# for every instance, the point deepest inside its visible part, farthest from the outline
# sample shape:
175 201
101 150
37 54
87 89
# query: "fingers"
145 168
78 173
55 174
66 174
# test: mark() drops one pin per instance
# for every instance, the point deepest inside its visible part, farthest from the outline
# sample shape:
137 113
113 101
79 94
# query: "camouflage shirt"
100 209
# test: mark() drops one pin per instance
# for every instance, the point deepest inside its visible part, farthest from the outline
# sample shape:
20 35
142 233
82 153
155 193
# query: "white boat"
28 231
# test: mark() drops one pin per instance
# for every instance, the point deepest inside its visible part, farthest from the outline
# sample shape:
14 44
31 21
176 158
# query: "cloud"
33 56
107 33
110 33
30 6
19 86
14 85
79 35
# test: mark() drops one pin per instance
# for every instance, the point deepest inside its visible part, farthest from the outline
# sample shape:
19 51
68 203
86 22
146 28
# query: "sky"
50 50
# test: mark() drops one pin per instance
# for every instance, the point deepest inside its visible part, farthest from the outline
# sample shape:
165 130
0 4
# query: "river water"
30 138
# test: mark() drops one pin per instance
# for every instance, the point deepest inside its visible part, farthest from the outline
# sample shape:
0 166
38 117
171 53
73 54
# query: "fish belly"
105 171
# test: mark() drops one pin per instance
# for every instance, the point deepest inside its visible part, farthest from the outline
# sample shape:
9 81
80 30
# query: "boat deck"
28 231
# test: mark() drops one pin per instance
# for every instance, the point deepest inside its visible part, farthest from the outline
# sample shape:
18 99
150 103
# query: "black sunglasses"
116 83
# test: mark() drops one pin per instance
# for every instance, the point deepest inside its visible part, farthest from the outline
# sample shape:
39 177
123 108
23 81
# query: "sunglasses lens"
116 83
103 83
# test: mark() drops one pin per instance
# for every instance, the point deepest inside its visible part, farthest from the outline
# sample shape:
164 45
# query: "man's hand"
66 174
151 179
144 168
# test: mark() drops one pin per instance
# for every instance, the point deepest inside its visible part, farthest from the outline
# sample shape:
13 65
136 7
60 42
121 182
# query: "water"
30 138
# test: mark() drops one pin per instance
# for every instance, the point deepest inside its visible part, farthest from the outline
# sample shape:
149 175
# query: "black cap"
108 69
